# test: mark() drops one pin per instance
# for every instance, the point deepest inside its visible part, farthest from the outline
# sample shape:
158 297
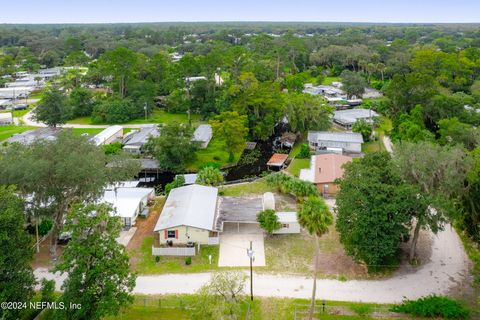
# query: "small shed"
203 134
6 118
268 201
289 223
277 161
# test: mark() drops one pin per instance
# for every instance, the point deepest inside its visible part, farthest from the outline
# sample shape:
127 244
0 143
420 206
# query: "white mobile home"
128 202
109 135
134 141
321 141
6 118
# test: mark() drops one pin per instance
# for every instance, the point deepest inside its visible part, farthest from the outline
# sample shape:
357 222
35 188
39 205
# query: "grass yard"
90 131
297 164
8 131
157 116
214 154
178 306
146 263
328 80
373 146
257 187
295 253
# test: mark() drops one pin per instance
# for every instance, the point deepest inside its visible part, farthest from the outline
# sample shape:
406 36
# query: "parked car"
20 107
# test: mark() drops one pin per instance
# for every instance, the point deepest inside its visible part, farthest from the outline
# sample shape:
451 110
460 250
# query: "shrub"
188 261
157 259
178 182
268 221
113 148
47 291
361 309
44 227
209 176
433 306
304 151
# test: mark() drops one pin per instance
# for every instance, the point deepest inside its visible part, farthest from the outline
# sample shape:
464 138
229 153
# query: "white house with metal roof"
134 141
6 118
128 202
109 135
347 118
188 215
321 141
203 134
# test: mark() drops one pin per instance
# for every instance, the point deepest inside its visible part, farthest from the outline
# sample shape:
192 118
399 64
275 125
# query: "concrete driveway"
234 242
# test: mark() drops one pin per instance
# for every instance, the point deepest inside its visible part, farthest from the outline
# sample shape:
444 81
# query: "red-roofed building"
324 170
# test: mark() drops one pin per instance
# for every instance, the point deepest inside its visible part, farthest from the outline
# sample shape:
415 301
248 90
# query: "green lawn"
178 306
373 146
214 154
200 263
257 187
328 80
90 131
157 116
7 131
297 164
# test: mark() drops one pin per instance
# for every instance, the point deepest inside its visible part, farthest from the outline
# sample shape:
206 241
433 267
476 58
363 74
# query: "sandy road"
448 266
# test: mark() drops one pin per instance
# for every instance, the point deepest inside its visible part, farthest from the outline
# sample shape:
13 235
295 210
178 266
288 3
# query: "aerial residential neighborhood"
239 160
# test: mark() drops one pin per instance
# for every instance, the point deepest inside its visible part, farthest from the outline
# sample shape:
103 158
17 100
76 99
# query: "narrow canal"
251 163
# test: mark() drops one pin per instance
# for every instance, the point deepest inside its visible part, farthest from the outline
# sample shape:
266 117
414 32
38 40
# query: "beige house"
188 216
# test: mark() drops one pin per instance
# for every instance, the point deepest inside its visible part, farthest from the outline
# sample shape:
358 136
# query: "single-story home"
134 141
128 202
322 141
324 170
347 118
5 103
15 93
28 137
203 134
6 118
109 135
188 216
289 223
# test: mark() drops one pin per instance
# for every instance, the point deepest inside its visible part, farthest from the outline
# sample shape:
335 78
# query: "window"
171 234
285 225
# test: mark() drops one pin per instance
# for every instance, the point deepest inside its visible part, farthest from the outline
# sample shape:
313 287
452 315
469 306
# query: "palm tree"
315 216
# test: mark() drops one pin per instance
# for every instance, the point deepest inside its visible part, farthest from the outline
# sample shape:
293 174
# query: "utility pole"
250 254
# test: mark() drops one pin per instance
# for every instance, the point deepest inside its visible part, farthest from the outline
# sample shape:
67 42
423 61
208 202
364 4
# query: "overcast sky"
104 11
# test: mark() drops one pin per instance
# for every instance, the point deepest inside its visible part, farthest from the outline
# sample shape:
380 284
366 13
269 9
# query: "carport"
237 222
238 215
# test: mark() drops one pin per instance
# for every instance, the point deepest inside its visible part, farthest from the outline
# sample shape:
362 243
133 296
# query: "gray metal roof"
140 137
335 136
203 133
193 206
233 209
28 137
352 115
